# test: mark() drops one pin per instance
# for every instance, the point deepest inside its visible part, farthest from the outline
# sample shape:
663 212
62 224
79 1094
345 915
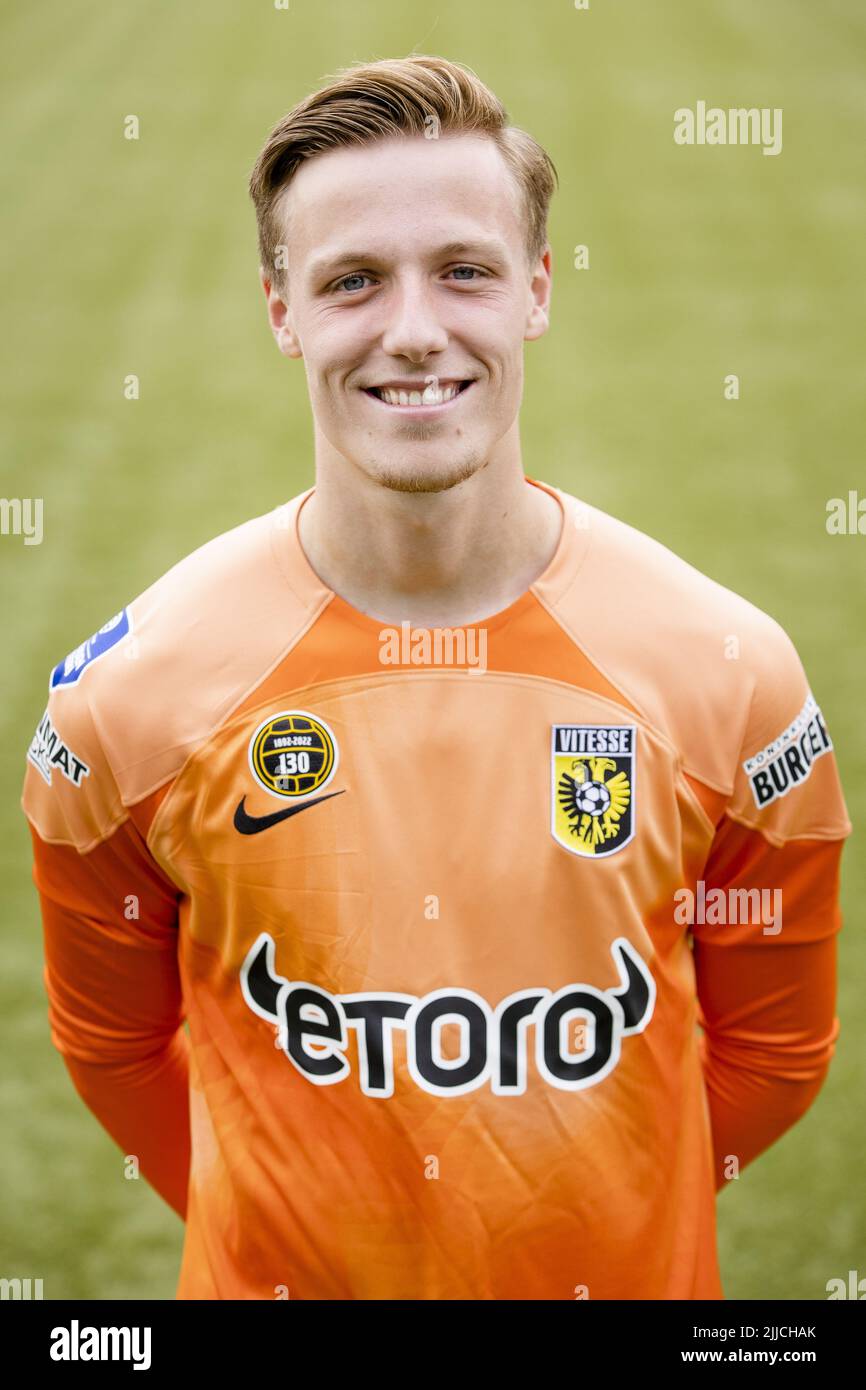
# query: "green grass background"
141 257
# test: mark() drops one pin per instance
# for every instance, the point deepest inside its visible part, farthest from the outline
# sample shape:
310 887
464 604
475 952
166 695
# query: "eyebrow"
490 250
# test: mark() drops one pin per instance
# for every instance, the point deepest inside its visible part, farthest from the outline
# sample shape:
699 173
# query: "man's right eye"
356 275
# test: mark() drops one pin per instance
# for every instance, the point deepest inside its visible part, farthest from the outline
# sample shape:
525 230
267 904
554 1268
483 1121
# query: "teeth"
431 395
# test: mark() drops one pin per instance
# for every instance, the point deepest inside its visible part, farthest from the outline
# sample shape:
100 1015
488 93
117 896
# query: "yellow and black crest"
592 787
293 753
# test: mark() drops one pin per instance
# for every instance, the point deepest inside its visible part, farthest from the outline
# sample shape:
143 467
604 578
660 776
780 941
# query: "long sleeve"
765 936
767 1002
110 929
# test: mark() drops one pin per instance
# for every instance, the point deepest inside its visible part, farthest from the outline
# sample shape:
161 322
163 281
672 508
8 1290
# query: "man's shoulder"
642 560
129 704
185 620
644 575
711 670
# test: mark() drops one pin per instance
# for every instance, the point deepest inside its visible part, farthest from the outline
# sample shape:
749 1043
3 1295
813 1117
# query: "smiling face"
410 298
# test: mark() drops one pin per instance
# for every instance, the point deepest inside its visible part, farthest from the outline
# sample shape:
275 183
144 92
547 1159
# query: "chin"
424 477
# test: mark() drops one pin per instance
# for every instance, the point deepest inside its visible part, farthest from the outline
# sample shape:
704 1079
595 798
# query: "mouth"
420 400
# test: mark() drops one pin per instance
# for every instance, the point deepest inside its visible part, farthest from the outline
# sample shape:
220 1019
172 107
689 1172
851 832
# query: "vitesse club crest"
292 754
592 787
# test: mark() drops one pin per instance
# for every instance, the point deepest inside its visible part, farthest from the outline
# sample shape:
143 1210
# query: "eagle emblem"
592 787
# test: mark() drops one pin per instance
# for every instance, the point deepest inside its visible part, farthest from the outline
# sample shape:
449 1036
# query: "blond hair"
395 96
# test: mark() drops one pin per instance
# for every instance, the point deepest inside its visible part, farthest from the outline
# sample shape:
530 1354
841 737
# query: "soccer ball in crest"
592 797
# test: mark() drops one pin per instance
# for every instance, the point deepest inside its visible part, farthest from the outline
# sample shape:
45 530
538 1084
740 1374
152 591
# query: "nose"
413 325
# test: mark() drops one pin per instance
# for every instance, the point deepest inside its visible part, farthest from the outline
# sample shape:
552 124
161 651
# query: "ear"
538 317
280 319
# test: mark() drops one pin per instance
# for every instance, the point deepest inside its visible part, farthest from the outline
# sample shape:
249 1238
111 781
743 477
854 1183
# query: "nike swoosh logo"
252 825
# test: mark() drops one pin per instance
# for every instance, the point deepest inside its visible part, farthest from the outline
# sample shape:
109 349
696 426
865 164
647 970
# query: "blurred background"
140 257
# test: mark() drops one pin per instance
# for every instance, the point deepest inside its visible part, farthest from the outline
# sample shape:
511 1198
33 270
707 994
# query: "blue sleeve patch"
68 671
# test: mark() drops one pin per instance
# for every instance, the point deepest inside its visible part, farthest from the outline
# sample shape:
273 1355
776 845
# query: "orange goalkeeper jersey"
501 948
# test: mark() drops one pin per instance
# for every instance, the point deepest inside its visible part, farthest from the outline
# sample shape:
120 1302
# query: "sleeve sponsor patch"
787 760
47 751
68 671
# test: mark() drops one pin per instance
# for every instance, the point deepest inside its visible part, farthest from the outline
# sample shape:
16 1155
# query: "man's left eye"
472 268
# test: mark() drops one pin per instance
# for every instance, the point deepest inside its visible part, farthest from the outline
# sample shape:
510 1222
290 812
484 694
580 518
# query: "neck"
433 559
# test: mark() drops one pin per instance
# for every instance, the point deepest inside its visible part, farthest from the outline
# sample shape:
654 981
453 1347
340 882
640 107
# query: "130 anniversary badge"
293 753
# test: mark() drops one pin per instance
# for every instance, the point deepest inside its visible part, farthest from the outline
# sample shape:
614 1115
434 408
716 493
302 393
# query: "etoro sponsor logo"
312 1028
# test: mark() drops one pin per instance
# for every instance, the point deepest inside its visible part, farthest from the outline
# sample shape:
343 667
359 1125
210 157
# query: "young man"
441 805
